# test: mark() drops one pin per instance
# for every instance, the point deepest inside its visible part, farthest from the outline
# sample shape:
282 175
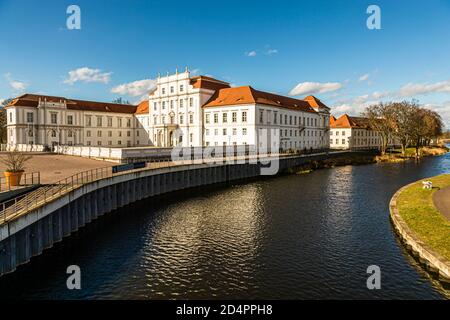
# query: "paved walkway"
54 167
441 200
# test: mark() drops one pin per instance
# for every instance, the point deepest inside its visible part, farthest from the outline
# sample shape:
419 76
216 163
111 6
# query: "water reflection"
297 236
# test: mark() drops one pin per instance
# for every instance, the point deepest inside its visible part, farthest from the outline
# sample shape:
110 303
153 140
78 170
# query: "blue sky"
323 47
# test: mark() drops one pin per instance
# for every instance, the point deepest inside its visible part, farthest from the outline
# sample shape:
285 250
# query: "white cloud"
443 109
135 88
17 86
86 74
364 77
413 89
271 51
251 53
314 87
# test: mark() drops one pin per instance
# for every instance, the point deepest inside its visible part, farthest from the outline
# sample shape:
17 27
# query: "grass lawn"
415 206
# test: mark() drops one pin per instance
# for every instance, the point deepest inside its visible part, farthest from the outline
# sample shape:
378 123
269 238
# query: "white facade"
175 111
52 123
348 132
354 139
248 124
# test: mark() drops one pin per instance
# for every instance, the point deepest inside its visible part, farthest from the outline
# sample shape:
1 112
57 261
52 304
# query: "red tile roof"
248 95
32 100
142 107
208 83
346 121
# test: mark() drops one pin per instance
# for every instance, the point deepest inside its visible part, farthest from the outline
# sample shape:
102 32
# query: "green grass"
415 206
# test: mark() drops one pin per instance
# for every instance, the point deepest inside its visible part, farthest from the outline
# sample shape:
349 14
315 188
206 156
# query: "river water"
306 236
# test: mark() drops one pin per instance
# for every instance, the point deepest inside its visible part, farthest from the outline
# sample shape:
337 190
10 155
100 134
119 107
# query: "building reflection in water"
194 239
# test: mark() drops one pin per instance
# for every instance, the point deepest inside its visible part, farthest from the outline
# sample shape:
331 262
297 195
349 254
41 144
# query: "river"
308 236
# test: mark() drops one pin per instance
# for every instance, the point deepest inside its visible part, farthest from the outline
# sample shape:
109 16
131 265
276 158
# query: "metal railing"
27 179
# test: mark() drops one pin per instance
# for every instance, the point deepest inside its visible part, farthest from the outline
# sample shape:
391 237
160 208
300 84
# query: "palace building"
182 110
348 132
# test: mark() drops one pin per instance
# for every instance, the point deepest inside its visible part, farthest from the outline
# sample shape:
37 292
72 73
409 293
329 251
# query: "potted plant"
15 166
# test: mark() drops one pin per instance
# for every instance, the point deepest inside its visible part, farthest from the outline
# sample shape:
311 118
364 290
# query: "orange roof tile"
248 95
142 107
208 83
332 119
346 121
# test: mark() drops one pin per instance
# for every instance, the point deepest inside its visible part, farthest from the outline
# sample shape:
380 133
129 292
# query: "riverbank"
358 159
396 155
422 227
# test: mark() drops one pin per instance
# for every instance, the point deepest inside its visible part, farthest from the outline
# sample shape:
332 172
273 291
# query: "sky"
294 48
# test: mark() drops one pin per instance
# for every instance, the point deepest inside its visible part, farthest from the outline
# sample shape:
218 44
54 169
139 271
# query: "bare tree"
15 161
403 121
381 118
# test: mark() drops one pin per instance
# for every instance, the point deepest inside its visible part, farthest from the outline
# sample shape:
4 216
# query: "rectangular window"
261 116
191 137
109 133
88 133
128 123
155 106
181 88
119 142
109 121
207 132
54 118
216 118
224 131
275 116
234 131
207 118
99 121
234 117
171 89
343 141
181 119
119 122
191 102
128 133
30 117
69 119
181 103
244 131
99 133
244 116
191 118
224 117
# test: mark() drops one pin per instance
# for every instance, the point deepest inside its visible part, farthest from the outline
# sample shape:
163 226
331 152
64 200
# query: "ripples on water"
299 236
